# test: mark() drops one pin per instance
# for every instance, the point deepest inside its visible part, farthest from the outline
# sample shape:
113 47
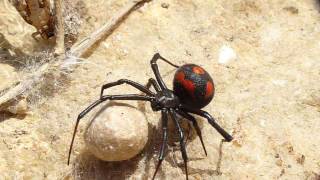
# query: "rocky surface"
268 98
8 76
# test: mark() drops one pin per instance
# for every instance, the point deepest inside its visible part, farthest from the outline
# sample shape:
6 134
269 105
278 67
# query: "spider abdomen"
193 85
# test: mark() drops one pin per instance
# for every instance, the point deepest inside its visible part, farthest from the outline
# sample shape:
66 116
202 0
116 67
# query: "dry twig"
24 85
83 46
77 50
59 29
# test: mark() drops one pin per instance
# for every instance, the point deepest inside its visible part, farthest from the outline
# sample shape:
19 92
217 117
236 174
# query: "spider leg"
164 117
211 121
154 83
155 68
182 144
129 82
195 125
102 99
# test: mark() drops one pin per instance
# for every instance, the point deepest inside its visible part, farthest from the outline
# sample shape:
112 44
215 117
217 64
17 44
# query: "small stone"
226 55
301 159
19 107
279 162
165 5
237 143
117 133
291 9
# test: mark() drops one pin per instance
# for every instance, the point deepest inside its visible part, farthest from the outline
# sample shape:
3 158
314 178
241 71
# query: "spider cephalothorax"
193 89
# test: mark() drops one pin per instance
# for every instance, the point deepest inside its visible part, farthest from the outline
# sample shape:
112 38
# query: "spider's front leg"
129 82
155 69
164 119
99 101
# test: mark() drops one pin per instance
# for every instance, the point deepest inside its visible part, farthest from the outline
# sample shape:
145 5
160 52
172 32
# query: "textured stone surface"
16 31
267 98
117 133
8 76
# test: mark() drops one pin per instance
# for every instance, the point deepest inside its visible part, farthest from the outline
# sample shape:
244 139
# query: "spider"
193 89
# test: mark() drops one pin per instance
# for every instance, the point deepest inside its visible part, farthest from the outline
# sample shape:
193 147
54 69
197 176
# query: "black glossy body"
169 102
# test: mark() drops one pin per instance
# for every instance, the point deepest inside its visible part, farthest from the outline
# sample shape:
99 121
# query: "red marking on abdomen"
180 76
209 90
187 84
198 70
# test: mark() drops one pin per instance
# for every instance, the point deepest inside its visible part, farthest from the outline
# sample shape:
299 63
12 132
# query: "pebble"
165 5
19 107
226 55
117 133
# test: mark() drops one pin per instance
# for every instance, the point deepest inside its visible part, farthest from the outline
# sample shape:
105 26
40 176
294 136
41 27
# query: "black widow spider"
193 89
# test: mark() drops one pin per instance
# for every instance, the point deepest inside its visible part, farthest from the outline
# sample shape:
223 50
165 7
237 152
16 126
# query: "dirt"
268 98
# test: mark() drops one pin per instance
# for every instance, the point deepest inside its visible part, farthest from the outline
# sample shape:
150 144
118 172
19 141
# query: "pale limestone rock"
226 55
15 29
19 107
8 76
117 133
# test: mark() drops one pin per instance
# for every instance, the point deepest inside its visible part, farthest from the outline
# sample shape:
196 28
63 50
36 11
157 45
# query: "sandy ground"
269 98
